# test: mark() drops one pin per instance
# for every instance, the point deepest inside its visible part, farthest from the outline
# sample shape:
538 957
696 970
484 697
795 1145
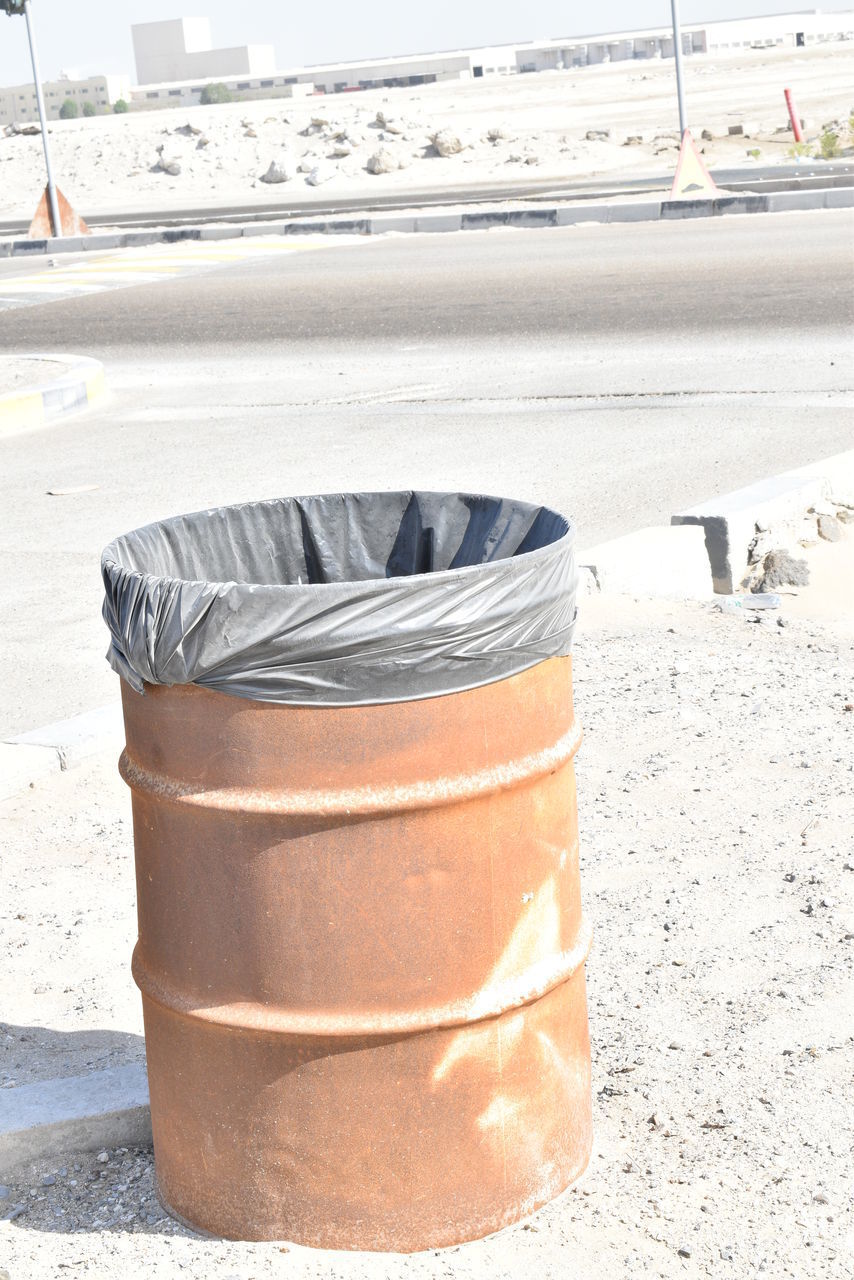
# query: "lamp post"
13 7
677 54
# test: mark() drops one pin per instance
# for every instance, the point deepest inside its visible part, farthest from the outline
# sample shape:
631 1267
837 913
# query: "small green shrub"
829 144
69 110
120 106
799 149
88 108
754 153
213 94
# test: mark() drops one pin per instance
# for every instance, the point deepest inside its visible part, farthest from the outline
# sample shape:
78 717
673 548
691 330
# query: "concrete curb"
53 1118
79 386
558 215
665 562
731 522
58 746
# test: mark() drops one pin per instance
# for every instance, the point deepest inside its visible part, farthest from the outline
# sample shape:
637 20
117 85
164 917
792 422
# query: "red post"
793 115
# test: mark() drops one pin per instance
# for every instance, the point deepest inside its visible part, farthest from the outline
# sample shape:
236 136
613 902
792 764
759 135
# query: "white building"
788 30
18 103
388 73
163 47
181 49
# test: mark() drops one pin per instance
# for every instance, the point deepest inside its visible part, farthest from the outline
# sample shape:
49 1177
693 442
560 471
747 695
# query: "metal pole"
677 53
793 115
51 189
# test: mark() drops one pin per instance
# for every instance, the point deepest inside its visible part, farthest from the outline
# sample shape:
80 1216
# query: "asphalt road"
621 373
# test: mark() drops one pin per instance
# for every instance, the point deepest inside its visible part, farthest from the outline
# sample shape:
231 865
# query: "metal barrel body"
361 954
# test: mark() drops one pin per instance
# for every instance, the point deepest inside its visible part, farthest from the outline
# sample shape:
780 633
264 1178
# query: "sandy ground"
715 784
18 372
541 121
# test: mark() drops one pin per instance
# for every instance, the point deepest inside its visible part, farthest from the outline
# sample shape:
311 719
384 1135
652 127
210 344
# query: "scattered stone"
779 569
726 1253
496 134
707 135
168 164
634 140
5 1192
279 171
29 130
599 135
202 143
446 143
319 174
829 528
189 130
340 151
102 1157
383 161
250 133
532 159
685 1251
49 1180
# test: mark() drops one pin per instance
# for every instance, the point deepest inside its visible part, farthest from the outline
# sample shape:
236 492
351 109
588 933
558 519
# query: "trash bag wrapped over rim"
342 599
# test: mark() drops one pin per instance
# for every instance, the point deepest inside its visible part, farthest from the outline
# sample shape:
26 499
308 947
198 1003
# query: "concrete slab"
837 474
60 385
80 1113
439 222
730 522
381 225
653 563
79 737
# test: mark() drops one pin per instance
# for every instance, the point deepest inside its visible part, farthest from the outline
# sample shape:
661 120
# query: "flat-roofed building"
18 102
787 30
182 49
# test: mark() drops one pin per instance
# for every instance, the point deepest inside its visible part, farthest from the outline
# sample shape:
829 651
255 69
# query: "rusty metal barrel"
361 946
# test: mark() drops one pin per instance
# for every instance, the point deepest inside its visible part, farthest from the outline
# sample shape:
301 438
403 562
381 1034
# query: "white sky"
94 35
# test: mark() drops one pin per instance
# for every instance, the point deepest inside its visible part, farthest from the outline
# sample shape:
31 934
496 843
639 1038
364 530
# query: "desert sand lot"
512 129
717 874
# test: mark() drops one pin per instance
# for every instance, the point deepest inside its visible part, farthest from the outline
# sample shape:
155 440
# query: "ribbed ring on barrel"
362 801
490 1002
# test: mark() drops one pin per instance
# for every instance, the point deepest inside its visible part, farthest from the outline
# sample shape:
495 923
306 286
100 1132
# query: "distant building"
789 30
181 49
156 63
18 103
175 60
380 73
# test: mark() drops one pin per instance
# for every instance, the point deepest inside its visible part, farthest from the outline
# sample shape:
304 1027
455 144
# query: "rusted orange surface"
361 953
41 227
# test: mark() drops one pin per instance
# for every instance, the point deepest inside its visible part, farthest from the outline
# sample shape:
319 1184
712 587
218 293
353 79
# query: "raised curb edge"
380 224
79 386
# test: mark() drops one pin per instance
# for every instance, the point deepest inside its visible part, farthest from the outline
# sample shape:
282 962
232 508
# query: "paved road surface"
618 372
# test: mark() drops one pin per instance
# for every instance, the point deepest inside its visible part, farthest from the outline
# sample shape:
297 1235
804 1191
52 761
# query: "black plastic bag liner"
342 599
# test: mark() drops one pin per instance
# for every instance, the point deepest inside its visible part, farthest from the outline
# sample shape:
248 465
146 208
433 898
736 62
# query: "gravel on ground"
715 783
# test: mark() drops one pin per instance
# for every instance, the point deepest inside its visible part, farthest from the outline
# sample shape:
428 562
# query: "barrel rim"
111 562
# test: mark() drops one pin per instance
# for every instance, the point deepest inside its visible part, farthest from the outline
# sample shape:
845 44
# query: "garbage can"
361 951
